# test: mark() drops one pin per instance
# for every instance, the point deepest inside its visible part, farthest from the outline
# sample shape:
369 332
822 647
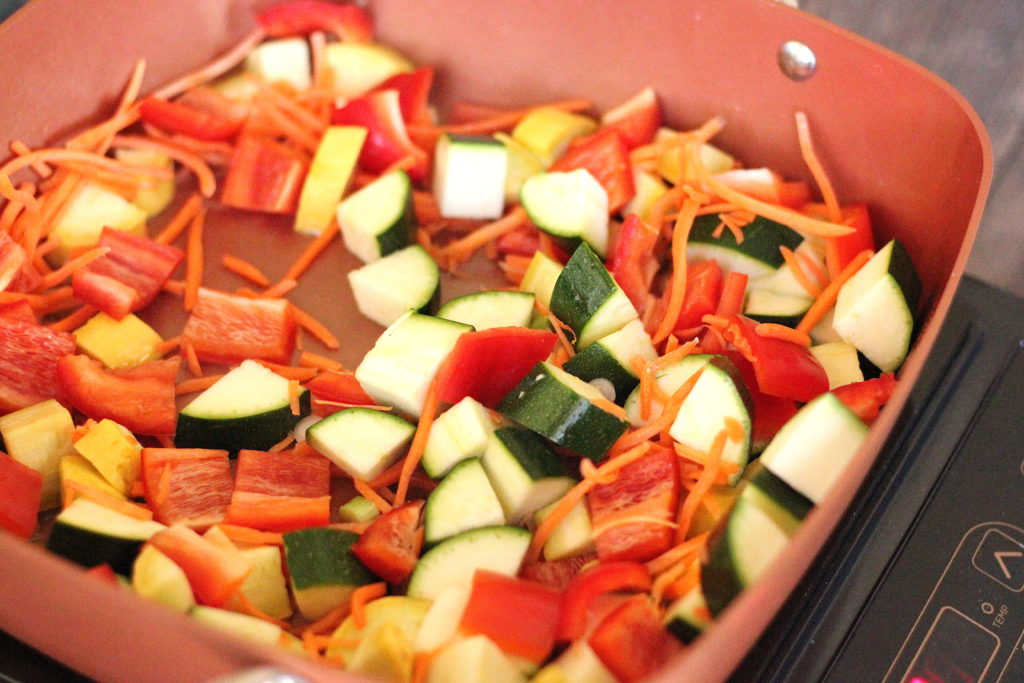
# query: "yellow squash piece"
118 343
669 165
114 452
92 208
359 67
265 587
547 132
154 196
328 177
39 436
522 164
76 469
385 643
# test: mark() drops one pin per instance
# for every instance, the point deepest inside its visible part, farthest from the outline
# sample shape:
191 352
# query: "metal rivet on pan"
797 60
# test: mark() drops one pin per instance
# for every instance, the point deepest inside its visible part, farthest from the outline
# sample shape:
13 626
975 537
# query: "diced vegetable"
378 219
322 569
389 287
118 343
328 177
38 437
226 328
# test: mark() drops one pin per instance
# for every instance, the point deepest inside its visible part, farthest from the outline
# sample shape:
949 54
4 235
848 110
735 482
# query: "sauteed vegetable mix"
561 479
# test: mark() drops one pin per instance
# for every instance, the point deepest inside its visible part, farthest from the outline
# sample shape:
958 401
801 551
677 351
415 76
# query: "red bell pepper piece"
226 328
141 399
588 585
28 363
19 310
487 364
632 262
556 573
522 242
413 92
637 119
175 117
703 291
104 572
21 491
263 175
632 642
190 486
391 545
129 276
841 250
283 474
299 17
606 157
387 140
280 491
647 488
520 616
866 398
770 412
215 573
782 368
334 391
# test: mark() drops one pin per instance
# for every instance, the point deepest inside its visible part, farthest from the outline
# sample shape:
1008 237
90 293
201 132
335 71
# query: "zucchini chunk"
399 368
469 176
770 307
811 451
588 300
361 441
875 309
459 433
688 616
564 410
246 408
540 277
492 308
404 280
156 577
570 206
322 569
758 255
378 219
465 499
89 534
454 561
610 358
524 472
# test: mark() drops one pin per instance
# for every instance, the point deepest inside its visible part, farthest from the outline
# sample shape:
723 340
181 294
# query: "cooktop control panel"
924 583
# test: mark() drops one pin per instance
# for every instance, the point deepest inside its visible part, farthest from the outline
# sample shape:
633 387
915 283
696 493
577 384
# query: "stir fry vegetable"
565 478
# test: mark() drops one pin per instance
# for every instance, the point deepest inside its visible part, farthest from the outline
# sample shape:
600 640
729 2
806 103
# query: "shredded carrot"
286 126
289 371
677 287
611 408
589 471
194 259
700 458
132 88
462 250
419 440
282 444
421 663
60 155
647 383
41 168
817 169
354 527
669 578
70 267
315 328
674 356
191 161
658 210
707 478
677 553
508 119
371 495
828 297
245 269
314 249
279 289
188 352
812 266
662 422
74 320
311 644
293 396
308 359
388 477
191 386
218 67
362 595
168 345
576 494
249 536
291 108
776 331
779 214
796 268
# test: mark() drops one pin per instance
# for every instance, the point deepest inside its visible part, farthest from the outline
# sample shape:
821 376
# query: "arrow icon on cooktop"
1001 559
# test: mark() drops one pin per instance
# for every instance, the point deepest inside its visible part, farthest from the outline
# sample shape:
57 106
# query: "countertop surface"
976 47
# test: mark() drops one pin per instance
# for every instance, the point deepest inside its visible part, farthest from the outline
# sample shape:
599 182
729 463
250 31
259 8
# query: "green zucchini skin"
89 548
760 247
544 403
588 300
254 432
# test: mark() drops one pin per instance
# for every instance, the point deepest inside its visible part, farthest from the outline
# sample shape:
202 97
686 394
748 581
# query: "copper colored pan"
892 135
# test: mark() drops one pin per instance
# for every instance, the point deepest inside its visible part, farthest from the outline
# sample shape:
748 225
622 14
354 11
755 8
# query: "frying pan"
892 135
